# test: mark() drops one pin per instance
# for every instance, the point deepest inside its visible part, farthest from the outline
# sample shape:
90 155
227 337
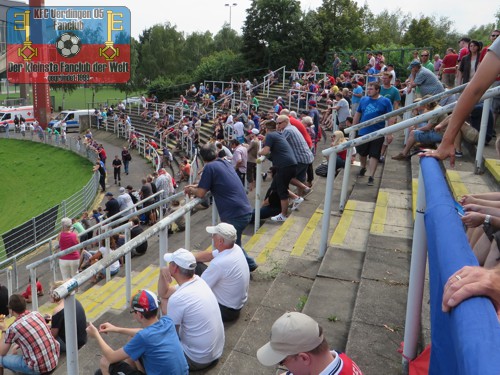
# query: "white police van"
71 118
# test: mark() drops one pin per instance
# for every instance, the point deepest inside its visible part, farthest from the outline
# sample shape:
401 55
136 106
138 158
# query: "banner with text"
68 45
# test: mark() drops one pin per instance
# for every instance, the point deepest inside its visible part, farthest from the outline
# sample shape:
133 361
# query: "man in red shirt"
449 68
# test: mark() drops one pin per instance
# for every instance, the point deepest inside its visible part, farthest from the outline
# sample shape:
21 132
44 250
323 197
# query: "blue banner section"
93 25
466 340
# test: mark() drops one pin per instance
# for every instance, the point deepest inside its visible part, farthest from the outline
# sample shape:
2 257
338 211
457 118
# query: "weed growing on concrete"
301 303
333 318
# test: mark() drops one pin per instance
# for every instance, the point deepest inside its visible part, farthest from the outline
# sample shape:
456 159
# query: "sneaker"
278 218
296 203
362 171
264 176
459 154
371 181
381 159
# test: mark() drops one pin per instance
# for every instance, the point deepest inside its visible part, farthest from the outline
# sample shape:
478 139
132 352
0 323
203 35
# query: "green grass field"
36 177
79 98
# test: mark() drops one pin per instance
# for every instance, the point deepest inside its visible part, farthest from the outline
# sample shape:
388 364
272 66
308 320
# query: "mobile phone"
460 209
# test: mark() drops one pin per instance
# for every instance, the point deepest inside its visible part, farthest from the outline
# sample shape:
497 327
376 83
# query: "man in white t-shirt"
193 308
227 274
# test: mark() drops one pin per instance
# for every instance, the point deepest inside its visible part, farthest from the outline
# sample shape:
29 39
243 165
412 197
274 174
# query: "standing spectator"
424 79
437 64
68 263
253 148
354 64
357 94
425 60
152 349
469 63
284 161
302 153
220 178
300 68
145 192
112 206
164 182
193 308
117 167
239 160
371 106
464 48
39 351
342 107
448 68
126 159
98 167
125 202
58 328
102 154
336 65
297 342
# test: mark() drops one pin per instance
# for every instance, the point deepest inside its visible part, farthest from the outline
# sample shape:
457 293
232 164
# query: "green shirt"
429 65
78 227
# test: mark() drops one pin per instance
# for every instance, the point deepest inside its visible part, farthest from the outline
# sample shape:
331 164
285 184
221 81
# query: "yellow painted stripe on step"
93 301
343 224
305 236
414 191
248 246
493 166
274 241
380 213
118 295
457 186
147 278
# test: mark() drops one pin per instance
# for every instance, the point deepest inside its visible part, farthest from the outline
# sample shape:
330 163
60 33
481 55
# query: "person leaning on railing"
471 281
486 74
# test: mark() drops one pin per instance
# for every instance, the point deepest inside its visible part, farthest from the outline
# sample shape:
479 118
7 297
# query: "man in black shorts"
284 160
372 105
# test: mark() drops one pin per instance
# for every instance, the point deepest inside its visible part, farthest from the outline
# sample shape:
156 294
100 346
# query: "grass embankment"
36 177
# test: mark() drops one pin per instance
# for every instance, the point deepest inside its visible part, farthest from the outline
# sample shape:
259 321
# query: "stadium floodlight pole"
230 9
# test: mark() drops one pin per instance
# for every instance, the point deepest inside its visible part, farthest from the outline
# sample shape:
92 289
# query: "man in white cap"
193 308
297 342
125 201
227 274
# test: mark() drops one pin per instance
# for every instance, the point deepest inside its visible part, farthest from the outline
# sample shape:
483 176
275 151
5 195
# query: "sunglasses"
494 35
424 55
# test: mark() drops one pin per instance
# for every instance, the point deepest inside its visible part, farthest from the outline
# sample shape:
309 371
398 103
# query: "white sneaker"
278 218
296 203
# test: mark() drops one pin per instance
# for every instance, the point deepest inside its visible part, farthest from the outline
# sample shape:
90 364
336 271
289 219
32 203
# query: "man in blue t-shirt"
220 178
371 106
154 349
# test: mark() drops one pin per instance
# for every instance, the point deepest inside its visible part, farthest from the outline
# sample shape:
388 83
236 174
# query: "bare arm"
485 75
204 256
111 355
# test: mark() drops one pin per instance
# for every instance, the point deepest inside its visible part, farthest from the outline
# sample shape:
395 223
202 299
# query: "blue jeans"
16 364
240 223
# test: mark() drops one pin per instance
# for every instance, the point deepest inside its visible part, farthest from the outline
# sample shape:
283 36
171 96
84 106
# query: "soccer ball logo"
68 45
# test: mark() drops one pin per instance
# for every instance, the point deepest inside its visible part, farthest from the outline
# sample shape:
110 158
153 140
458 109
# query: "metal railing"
67 290
29 236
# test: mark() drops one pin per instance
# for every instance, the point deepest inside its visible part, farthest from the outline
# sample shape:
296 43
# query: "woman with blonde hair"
337 139
67 238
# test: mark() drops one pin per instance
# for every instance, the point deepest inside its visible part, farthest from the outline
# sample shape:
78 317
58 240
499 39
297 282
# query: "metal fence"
22 239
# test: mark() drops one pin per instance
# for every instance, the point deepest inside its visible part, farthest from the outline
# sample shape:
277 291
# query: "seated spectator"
227 274
30 334
193 308
136 230
4 300
297 342
58 328
152 347
271 206
27 292
425 134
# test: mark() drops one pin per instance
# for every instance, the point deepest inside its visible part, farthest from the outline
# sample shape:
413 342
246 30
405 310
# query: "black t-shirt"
112 207
117 163
134 232
281 152
81 324
4 300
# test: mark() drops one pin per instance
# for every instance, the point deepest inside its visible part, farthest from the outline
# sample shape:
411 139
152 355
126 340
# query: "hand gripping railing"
332 153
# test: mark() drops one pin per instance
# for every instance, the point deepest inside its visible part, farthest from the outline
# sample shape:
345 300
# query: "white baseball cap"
224 230
183 258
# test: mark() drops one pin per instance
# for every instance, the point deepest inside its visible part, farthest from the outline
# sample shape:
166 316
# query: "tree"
227 39
196 46
270 32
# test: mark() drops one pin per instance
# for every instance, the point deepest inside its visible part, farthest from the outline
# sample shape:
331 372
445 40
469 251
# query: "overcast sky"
202 15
